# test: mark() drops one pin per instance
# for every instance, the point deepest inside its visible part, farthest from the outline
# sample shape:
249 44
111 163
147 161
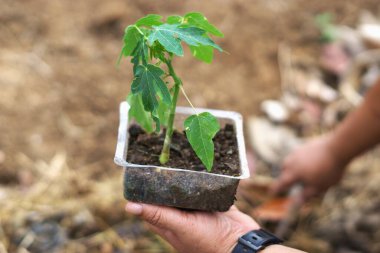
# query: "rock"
370 34
350 39
46 236
317 89
370 77
271 142
369 29
308 81
275 110
291 101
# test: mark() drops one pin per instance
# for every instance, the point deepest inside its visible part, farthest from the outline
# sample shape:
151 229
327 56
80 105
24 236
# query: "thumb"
159 216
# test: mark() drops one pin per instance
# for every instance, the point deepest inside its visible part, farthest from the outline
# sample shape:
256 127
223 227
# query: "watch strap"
255 240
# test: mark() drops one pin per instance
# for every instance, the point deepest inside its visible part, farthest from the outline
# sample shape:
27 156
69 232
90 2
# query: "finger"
163 217
133 208
283 183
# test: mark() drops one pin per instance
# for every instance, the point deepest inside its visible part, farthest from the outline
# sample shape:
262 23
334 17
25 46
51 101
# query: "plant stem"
188 100
139 30
165 153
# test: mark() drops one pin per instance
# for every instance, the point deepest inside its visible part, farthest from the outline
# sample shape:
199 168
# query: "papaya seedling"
152 44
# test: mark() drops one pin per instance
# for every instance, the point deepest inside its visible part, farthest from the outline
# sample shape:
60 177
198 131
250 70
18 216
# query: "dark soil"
145 149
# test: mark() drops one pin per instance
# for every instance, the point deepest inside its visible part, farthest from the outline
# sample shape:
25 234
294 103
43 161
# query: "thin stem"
188 100
139 30
165 153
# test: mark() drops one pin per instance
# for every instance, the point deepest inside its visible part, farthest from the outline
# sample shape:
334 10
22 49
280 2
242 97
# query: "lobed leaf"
131 37
167 38
199 20
139 55
156 120
200 130
175 19
148 82
171 35
157 51
150 20
137 112
203 53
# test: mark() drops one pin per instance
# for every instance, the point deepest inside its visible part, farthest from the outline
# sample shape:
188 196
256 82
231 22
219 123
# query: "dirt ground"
59 99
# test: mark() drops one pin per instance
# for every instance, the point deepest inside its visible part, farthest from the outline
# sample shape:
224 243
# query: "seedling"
152 44
324 22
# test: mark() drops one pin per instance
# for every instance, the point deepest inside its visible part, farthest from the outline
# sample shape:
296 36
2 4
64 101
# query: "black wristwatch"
255 241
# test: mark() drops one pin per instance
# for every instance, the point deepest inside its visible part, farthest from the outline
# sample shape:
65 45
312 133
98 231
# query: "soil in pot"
145 149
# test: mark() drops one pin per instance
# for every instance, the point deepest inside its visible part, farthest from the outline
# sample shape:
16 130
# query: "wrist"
256 241
234 238
333 148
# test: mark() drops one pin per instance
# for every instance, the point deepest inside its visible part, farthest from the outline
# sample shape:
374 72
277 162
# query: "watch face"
254 241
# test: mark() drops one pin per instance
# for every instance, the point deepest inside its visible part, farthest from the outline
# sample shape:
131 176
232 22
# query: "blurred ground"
59 100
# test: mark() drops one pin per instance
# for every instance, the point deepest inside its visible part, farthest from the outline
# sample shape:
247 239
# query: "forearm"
360 131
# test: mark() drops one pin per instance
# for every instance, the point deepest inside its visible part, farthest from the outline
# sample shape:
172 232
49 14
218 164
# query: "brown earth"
145 148
59 99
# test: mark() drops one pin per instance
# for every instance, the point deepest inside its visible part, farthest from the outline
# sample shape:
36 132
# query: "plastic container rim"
122 140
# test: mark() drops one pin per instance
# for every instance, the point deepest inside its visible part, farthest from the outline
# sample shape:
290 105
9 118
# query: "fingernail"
133 208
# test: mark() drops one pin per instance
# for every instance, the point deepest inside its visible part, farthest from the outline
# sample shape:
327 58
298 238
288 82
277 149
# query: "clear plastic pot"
179 187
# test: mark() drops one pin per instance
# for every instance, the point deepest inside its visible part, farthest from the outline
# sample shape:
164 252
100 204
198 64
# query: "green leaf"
156 120
170 36
148 82
200 130
140 55
175 19
157 51
199 20
137 112
324 23
203 53
167 38
150 20
131 37
120 56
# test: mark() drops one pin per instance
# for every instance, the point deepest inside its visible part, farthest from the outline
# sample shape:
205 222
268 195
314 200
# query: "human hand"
193 231
312 164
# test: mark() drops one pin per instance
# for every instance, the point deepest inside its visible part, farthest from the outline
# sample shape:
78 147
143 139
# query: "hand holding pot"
200 232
